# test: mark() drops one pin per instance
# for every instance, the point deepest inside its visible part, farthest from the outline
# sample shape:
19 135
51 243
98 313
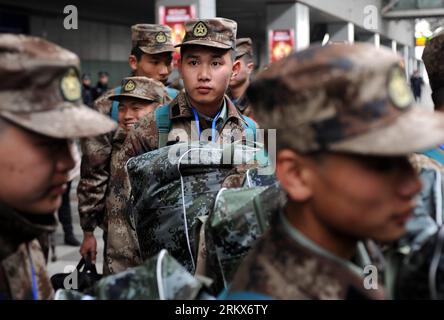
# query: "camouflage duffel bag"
173 187
158 278
240 216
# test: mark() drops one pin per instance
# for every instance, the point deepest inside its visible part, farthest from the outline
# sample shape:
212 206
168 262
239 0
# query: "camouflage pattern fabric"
122 248
240 216
158 278
242 103
43 91
342 102
152 38
215 32
253 178
158 179
18 245
142 88
282 268
244 46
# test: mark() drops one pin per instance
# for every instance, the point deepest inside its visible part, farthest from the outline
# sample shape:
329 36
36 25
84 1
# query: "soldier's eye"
192 62
384 164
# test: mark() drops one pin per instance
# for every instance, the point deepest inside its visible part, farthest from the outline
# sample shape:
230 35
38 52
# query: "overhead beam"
414 13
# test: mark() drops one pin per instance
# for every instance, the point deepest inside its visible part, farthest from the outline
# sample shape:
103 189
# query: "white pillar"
350 32
377 40
394 46
302 32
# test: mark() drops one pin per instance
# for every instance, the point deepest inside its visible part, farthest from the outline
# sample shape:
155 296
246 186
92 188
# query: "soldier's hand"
89 245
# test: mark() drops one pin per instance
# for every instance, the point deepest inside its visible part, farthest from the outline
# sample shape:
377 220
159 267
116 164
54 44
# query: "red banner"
281 43
175 17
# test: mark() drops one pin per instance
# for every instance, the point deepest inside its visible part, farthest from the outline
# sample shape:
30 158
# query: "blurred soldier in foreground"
344 129
41 110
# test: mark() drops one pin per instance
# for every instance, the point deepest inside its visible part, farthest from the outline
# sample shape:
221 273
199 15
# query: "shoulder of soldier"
421 161
103 104
144 136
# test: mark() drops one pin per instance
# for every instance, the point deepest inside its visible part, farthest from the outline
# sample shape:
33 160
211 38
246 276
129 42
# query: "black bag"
422 272
86 277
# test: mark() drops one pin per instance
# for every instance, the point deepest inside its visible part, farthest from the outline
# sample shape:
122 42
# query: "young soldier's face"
33 170
131 110
245 70
206 72
353 196
154 66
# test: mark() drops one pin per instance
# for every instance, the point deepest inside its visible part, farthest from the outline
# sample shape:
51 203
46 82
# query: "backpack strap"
115 106
163 124
172 93
250 123
251 126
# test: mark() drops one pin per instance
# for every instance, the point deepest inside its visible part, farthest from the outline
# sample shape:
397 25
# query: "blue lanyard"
35 292
213 124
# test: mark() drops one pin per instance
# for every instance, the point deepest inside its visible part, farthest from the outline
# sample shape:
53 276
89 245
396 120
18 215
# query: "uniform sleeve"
94 173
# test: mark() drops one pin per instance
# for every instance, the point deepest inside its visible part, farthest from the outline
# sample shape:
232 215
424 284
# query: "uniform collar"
180 108
16 228
302 240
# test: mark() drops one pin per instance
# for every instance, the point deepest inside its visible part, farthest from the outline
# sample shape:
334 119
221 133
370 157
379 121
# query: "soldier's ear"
294 175
236 69
132 61
250 67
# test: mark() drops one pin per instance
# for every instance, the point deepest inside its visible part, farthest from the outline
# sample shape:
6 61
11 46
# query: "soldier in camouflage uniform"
151 57
202 109
240 83
345 127
41 111
139 97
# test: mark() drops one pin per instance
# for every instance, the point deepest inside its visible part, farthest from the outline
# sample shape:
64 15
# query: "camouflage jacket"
286 265
94 172
20 252
122 249
242 103
145 136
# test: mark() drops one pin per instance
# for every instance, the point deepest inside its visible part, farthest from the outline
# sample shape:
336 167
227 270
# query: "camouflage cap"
141 88
244 46
40 89
215 32
433 57
337 98
152 38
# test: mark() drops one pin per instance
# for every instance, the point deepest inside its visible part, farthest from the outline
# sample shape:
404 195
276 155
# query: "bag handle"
87 265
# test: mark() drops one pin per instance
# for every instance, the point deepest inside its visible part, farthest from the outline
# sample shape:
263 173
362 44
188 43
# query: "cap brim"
68 121
414 131
206 43
116 97
151 50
